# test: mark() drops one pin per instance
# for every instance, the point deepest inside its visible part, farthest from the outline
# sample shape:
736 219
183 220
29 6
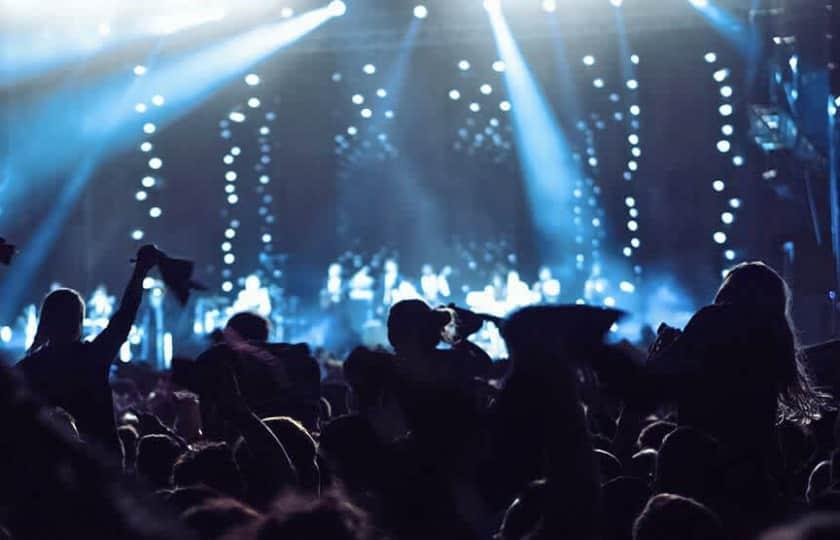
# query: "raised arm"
114 335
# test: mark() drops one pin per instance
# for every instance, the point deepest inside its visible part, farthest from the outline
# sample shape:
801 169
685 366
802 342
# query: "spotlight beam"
103 122
548 168
88 111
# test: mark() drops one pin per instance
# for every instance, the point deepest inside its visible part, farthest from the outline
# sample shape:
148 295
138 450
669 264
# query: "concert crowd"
725 429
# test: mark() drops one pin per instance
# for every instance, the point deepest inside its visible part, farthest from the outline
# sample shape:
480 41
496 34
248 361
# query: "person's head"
366 371
156 455
128 436
643 464
653 434
686 462
819 481
668 516
329 517
608 465
351 448
62 314
250 326
415 327
299 445
756 286
211 465
62 421
215 518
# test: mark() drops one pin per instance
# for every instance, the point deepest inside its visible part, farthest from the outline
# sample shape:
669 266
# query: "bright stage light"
252 79
155 212
719 237
700 3
498 66
504 106
146 147
486 89
630 202
598 83
382 93
141 195
549 6
710 57
148 181
726 91
475 107
254 102
366 113
337 8
735 203
727 130
463 65
137 234
726 109
738 161
358 99
149 128
634 58
369 69
454 95
632 84
158 100
420 11
721 75
155 163
589 60
727 218
493 6
729 254
140 70
140 107
237 117
287 13
724 146
230 176
718 185
616 3
635 110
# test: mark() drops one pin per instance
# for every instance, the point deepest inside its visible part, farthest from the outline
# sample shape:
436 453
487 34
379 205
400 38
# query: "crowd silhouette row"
718 431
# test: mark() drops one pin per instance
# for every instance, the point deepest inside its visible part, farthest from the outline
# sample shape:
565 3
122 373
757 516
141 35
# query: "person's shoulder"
215 351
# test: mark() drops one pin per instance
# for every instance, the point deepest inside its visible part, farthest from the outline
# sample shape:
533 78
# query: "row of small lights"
149 181
231 178
367 110
492 132
595 284
724 146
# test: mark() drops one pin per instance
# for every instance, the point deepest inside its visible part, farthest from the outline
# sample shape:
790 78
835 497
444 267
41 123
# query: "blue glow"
548 169
15 284
729 27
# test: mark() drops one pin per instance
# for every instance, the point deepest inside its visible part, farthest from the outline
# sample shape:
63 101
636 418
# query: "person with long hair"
70 373
736 370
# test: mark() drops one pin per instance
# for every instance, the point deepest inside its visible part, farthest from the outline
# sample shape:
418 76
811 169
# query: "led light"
252 79
719 237
155 212
421 12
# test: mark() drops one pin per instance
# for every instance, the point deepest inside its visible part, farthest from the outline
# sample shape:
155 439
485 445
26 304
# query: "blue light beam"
548 168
